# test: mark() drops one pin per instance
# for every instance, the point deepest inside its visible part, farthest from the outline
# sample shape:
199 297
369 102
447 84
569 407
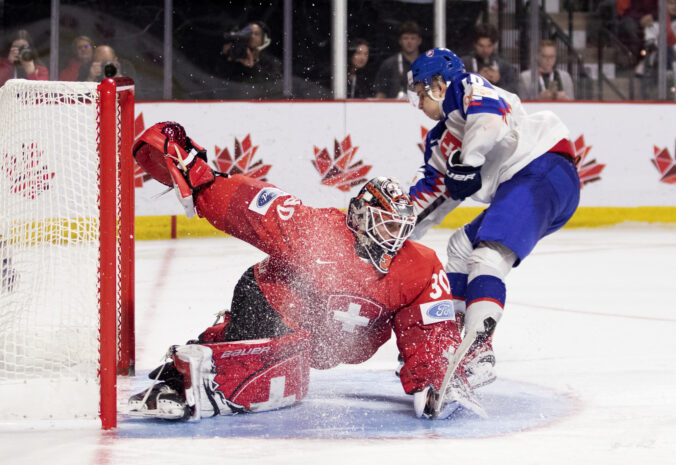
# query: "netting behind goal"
61 144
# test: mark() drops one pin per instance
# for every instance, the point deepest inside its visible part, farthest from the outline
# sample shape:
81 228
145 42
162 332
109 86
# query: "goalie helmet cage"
66 248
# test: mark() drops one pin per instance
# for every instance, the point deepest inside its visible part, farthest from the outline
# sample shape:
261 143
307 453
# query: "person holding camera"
552 83
251 72
83 53
104 64
22 61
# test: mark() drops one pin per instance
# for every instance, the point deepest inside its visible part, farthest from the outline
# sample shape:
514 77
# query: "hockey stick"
470 338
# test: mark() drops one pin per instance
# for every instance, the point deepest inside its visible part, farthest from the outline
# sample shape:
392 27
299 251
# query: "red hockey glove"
167 154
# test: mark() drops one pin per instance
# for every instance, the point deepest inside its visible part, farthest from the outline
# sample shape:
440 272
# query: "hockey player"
332 289
486 147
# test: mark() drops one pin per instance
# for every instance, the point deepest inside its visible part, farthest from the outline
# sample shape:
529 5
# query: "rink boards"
322 151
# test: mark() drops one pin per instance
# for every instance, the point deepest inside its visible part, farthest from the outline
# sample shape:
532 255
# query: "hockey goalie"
332 289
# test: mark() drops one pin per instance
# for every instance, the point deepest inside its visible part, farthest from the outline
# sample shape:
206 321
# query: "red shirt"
7 72
70 72
315 280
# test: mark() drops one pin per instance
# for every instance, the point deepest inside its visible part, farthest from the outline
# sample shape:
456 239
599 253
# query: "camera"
26 53
239 43
110 68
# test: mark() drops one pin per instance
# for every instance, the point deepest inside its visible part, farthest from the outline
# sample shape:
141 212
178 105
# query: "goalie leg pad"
244 376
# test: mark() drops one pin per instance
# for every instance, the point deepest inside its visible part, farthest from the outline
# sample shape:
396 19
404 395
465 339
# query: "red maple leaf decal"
140 176
26 173
340 172
665 164
588 171
242 162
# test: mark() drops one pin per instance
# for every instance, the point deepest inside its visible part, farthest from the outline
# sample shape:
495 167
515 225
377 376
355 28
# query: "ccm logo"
461 177
250 351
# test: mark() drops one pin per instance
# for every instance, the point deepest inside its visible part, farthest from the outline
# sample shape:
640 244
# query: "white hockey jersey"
491 129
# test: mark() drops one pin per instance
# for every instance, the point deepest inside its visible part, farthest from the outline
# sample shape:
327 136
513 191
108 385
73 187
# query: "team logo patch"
264 199
435 312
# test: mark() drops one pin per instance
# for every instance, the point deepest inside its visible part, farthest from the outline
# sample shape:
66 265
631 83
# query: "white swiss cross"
351 318
276 399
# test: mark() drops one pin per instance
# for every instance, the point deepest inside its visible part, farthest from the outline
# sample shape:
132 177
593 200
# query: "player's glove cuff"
462 180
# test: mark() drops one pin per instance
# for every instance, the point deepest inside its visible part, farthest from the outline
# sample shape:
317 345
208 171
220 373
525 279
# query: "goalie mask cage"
67 248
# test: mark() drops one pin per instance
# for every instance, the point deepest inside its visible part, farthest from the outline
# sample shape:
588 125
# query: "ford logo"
441 310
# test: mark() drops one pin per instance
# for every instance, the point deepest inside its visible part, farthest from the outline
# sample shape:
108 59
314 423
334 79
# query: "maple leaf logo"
665 164
588 171
339 171
27 174
140 176
242 162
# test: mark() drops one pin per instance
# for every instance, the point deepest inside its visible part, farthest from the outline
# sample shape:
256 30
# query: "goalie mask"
165 139
382 218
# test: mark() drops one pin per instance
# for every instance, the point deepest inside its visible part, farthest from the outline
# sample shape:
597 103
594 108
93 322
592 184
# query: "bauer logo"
434 312
264 199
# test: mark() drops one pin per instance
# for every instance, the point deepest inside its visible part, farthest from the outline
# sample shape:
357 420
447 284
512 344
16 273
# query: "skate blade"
165 411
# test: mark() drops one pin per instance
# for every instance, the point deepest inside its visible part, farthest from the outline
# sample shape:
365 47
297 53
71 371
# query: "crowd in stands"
89 62
246 70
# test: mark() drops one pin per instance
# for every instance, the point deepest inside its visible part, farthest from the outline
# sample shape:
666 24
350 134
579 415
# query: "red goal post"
67 248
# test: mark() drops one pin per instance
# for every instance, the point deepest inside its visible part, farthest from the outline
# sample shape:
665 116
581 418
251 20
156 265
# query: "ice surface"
585 356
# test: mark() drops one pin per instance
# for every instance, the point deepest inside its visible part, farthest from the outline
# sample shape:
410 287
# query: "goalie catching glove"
169 156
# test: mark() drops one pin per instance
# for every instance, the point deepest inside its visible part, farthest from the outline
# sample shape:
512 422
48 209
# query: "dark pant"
251 316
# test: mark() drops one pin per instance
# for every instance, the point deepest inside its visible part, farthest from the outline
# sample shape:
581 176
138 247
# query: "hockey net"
66 248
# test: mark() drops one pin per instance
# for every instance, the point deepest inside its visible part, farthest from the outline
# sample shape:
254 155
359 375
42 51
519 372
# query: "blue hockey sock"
458 283
485 287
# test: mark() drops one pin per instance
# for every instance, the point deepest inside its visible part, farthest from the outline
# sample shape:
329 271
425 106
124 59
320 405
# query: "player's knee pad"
492 259
459 249
244 376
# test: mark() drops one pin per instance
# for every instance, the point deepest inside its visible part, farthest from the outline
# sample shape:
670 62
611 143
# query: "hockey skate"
480 365
459 396
159 401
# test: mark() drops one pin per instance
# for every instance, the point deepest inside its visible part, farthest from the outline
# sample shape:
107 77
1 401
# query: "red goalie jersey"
315 280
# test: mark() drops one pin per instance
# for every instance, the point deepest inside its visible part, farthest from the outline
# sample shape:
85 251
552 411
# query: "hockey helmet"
434 62
161 140
381 216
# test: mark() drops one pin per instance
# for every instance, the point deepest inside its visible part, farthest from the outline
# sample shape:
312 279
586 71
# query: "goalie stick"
473 336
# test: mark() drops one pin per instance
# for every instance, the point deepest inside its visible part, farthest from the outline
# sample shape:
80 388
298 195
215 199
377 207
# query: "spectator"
633 17
647 67
485 62
359 83
553 84
391 79
252 72
104 64
83 52
22 61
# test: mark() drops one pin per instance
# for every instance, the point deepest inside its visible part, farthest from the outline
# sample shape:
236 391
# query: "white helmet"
382 218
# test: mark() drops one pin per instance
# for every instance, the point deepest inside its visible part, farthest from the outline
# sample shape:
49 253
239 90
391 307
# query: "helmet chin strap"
439 100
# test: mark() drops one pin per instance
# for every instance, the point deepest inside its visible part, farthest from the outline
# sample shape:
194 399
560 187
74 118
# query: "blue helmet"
436 61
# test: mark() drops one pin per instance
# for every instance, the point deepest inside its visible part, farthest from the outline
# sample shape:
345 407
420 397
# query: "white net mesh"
49 218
